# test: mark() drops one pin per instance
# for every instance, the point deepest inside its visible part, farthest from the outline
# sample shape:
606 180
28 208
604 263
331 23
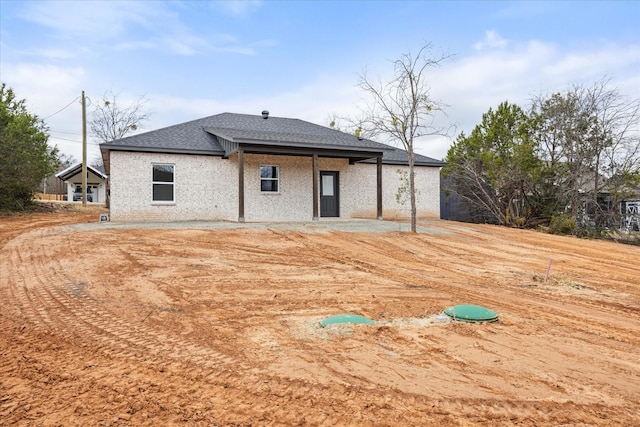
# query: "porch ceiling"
280 150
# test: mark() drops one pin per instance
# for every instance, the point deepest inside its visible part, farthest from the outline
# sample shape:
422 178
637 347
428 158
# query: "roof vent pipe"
265 114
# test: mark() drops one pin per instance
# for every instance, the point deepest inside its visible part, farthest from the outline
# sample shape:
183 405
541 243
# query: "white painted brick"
206 188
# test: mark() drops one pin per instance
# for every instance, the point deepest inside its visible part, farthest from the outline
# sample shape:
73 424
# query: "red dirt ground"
221 327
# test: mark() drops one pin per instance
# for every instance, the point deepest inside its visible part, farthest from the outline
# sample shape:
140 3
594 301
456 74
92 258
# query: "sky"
302 59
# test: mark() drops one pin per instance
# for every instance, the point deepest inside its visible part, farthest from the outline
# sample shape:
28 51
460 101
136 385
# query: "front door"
329 197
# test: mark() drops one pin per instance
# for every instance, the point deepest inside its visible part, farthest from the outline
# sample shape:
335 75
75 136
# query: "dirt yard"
107 326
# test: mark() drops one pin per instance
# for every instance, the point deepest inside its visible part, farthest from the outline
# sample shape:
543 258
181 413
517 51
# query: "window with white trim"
163 182
269 179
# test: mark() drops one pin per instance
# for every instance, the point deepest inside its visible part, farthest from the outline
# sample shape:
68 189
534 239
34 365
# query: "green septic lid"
471 313
346 318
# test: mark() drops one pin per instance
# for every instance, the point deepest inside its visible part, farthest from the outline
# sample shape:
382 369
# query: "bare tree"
113 121
589 138
614 146
402 109
97 162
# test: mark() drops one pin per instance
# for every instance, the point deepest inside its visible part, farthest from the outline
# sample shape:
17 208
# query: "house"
630 211
96 183
239 167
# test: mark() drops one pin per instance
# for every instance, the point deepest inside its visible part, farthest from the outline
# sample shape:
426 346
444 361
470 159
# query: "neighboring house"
630 215
96 183
630 212
241 167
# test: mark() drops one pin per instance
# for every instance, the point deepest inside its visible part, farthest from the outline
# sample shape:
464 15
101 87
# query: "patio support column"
240 185
315 186
379 186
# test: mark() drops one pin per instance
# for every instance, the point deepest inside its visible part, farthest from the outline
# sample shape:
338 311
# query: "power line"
64 131
65 139
62 109
73 140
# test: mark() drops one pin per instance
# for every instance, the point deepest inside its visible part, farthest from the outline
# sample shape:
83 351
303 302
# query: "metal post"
240 185
315 186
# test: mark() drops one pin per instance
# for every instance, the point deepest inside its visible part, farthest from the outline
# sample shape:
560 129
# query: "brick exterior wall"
206 188
359 191
294 200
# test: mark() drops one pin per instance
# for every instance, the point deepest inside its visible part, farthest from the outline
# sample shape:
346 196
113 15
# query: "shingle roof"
279 130
201 137
396 156
75 169
184 137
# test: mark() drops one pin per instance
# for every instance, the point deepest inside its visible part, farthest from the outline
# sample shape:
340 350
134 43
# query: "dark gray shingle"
199 136
396 156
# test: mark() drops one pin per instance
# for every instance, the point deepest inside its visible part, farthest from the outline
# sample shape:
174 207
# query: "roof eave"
309 145
168 150
77 168
323 151
435 163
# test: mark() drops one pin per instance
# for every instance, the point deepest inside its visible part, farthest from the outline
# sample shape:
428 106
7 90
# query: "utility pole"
84 152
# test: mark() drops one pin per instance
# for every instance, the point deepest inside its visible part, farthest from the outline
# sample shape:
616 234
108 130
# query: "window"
269 176
163 183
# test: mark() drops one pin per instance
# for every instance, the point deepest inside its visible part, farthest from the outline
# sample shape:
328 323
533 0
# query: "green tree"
495 169
557 123
25 157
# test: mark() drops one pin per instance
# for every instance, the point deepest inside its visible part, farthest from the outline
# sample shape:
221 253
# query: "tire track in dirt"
547 246
391 264
52 304
47 296
55 304
606 333
196 390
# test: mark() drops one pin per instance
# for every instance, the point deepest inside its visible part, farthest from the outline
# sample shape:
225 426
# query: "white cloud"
313 102
492 40
188 45
238 7
135 45
93 20
180 47
44 86
606 60
57 53
497 70
47 89
133 25
470 85
473 84
229 44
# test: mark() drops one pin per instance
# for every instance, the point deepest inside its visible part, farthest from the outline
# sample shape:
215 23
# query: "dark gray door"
329 197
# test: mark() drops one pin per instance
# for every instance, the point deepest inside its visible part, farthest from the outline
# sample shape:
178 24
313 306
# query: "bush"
562 224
